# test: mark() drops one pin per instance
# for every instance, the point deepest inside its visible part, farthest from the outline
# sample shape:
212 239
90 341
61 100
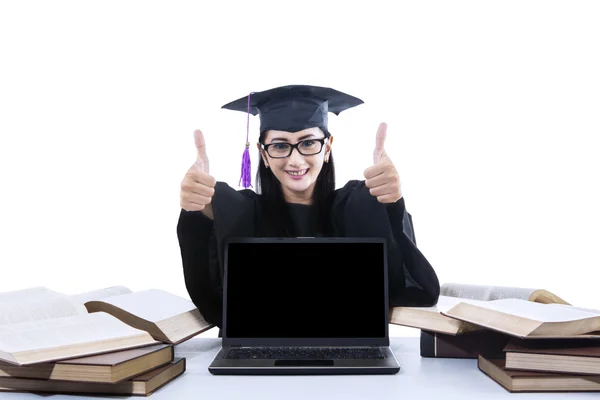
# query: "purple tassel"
245 178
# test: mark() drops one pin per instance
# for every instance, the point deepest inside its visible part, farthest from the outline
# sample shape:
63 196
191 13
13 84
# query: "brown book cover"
563 356
142 385
108 367
529 381
467 345
567 347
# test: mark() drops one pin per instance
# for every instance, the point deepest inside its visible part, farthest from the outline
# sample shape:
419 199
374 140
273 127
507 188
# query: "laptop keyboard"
305 353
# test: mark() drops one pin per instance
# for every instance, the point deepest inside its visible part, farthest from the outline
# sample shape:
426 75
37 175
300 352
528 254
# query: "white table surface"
419 378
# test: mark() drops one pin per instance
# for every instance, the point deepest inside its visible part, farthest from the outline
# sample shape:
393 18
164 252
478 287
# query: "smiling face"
297 172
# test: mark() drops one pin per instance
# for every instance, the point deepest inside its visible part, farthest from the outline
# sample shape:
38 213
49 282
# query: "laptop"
305 306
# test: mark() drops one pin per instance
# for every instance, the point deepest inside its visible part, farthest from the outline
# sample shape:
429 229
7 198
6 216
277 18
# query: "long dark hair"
277 220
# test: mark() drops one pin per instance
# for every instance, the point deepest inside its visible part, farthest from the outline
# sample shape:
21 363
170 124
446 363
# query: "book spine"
427 344
468 345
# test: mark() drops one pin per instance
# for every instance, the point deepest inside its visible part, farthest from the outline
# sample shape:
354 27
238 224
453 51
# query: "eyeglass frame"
295 146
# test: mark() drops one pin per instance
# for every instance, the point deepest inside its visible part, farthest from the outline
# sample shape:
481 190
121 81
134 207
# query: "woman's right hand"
198 186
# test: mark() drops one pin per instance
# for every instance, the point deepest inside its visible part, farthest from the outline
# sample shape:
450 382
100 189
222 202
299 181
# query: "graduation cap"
290 108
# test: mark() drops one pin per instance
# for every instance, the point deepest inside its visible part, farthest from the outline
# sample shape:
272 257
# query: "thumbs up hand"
198 186
382 178
201 156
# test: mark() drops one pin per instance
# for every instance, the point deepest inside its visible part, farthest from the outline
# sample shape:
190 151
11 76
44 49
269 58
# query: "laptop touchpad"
304 363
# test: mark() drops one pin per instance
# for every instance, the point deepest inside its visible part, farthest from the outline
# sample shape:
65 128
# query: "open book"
167 317
433 319
40 325
527 319
484 292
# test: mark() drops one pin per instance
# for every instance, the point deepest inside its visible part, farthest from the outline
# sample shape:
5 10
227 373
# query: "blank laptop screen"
306 290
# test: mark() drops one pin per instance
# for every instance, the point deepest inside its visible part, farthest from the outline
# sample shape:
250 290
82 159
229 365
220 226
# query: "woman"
296 196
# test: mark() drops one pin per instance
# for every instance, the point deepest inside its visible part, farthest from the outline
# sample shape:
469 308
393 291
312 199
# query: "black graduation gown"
355 213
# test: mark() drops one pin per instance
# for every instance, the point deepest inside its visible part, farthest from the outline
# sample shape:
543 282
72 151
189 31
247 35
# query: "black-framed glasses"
308 147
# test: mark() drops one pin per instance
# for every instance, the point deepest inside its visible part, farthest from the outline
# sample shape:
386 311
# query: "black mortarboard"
291 108
295 107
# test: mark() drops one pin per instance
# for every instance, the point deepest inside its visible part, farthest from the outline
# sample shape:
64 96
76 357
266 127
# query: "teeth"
297 173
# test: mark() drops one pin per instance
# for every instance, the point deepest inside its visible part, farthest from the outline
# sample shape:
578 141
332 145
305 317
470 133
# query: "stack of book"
526 340
546 366
110 341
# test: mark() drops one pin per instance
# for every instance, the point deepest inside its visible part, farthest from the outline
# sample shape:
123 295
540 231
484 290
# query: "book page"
33 309
100 294
63 332
36 293
590 310
152 305
444 303
536 311
481 292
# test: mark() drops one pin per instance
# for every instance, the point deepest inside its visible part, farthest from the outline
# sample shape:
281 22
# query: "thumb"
201 157
379 142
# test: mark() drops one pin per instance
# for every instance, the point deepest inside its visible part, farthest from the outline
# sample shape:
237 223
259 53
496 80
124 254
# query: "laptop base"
224 366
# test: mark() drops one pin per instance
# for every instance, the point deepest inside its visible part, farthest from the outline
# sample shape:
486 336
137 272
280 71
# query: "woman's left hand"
382 178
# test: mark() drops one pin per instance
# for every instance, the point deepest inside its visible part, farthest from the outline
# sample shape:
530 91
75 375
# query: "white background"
492 108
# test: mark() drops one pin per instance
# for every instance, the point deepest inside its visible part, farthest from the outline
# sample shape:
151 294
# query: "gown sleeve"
201 243
356 213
